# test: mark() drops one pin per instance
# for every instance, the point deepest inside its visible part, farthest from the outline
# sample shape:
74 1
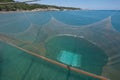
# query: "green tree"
6 1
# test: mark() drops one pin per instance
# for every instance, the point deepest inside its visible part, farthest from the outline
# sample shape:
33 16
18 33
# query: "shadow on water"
27 71
68 74
1 58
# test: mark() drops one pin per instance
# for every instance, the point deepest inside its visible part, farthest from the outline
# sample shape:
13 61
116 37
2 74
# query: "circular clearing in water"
76 52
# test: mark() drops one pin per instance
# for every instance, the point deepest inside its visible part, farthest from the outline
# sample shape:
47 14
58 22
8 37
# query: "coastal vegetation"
6 1
10 5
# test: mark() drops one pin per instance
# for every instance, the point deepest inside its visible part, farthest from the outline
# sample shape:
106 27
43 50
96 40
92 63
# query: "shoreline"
24 7
34 10
20 11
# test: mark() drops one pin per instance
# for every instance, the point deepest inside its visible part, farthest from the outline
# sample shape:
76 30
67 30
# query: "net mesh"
96 45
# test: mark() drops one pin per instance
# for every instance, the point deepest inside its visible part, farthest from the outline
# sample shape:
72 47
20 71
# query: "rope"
6 40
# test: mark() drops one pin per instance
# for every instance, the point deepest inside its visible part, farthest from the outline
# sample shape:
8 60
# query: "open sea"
88 40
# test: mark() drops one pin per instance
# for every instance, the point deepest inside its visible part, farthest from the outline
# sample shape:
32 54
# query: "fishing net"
37 39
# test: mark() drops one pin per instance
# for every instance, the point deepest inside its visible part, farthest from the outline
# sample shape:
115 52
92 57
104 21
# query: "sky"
84 4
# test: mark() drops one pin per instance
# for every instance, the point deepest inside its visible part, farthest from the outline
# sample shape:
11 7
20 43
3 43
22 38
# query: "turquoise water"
69 58
19 65
81 53
76 52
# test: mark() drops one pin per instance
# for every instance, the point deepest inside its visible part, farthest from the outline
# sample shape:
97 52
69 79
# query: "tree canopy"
24 6
6 1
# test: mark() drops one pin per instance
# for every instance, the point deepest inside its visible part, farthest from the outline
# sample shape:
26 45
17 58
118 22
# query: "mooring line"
60 64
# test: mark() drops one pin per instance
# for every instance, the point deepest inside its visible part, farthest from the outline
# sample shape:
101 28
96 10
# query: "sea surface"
16 64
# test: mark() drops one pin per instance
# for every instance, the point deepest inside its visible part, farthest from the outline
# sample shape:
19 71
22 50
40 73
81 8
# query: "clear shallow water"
92 59
18 65
80 53
69 58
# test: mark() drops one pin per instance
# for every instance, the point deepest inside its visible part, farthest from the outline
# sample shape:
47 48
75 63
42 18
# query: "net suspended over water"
93 48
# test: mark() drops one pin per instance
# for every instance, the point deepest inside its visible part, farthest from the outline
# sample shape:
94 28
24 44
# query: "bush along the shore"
23 6
6 1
